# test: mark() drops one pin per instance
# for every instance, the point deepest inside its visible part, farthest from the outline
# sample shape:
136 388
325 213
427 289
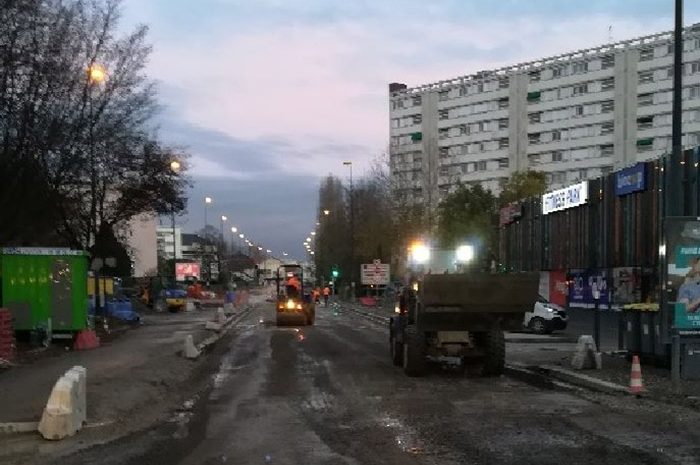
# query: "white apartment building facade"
574 116
168 244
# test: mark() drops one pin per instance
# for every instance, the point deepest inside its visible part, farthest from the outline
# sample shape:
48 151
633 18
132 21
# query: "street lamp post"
234 230
352 229
207 201
175 168
224 218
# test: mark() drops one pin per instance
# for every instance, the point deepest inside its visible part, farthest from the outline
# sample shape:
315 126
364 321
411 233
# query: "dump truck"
458 314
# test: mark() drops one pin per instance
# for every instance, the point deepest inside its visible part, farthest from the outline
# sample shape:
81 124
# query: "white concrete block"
586 355
189 306
229 308
189 350
64 414
220 316
213 326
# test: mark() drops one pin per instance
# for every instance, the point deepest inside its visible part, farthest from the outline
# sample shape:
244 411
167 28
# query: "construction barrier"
66 410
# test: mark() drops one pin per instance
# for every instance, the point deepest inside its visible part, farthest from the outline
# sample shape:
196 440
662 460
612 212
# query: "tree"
521 185
468 214
332 240
77 146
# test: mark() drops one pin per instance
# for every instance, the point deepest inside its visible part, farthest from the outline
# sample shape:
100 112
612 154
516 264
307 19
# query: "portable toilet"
44 288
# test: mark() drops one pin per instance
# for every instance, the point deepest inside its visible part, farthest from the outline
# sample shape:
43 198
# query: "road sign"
376 273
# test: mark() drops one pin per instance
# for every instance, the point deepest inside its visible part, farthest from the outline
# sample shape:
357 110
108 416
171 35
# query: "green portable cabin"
44 287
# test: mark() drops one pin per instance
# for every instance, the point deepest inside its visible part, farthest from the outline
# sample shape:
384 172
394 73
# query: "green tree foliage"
332 240
468 214
79 152
523 184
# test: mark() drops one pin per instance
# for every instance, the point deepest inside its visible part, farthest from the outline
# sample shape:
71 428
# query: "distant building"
574 116
169 244
142 245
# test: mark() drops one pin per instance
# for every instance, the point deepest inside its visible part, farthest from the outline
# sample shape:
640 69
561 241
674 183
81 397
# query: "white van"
545 317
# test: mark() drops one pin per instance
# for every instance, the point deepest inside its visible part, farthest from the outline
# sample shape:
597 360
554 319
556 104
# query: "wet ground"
329 394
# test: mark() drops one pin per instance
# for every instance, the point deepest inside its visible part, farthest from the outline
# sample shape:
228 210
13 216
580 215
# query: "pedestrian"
326 295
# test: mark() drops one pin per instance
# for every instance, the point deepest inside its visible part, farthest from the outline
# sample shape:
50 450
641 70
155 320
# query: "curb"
230 321
19 427
550 377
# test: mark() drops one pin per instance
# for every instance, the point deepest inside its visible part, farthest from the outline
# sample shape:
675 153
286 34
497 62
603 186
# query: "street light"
285 254
268 251
224 218
313 233
207 201
175 168
96 73
326 212
308 239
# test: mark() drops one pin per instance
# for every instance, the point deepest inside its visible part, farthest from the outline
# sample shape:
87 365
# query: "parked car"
545 317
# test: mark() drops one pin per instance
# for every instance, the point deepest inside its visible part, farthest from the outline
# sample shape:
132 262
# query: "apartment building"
169 243
574 116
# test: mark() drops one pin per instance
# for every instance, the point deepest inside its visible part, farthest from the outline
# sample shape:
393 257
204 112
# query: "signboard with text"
683 271
376 273
585 284
631 179
562 199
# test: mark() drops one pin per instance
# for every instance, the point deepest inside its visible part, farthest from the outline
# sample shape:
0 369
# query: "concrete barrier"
220 316
189 350
586 355
66 410
213 326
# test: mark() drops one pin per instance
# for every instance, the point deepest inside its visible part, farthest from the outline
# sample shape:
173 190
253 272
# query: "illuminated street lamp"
224 218
175 166
285 253
96 73
308 239
207 201
326 212
313 233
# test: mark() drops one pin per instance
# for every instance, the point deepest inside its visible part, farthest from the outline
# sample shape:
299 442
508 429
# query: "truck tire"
538 325
493 344
413 352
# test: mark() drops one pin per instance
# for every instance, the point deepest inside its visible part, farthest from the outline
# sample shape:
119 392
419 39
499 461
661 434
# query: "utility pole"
677 162
352 231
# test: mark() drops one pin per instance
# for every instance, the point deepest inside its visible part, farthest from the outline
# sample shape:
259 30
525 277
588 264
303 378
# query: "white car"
545 317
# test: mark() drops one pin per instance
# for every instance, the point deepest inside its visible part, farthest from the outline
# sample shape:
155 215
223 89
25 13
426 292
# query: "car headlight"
549 309
397 309
290 304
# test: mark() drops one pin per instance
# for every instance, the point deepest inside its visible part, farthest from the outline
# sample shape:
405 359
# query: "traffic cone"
636 384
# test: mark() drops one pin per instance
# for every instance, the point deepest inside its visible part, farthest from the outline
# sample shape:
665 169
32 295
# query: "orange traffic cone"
636 384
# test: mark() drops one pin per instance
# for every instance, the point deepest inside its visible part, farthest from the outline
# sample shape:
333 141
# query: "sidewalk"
131 381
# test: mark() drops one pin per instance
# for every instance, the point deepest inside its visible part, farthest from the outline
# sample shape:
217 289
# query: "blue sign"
632 179
583 283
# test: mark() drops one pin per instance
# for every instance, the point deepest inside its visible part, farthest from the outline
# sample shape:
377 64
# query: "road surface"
329 395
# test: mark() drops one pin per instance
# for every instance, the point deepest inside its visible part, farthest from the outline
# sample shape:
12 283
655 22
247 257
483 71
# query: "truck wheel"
493 344
396 351
537 325
413 352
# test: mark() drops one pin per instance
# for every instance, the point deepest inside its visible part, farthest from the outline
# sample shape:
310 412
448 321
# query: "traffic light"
334 272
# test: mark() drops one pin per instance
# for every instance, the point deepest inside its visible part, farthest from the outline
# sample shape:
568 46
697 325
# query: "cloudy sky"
270 95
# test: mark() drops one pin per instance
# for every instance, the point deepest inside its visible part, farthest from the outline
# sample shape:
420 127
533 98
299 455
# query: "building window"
534 159
646 54
607 150
645 122
556 135
557 156
503 163
694 92
444 171
534 97
503 123
582 173
443 114
503 143
417 119
481 165
503 103
645 144
443 95
580 67
559 178
645 99
694 68
578 110
443 133
645 77
581 89
556 72
535 117
607 128
607 107
503 83
534 76
416 137
607 61
444 152
534 138
417 100
607 84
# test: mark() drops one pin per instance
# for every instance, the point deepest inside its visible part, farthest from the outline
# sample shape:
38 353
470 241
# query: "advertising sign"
553 287
568 197
376 273
683 271
627 285
584 284
629 180
187 270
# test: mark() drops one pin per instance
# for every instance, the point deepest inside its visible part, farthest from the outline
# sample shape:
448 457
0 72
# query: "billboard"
553 287
581 289
683 270
627 285
629 180
187 270
568 197
376 273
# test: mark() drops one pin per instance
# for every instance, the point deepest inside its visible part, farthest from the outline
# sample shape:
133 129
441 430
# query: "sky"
269 96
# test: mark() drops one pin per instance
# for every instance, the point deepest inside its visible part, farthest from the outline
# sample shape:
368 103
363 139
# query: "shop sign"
629 180
568 197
